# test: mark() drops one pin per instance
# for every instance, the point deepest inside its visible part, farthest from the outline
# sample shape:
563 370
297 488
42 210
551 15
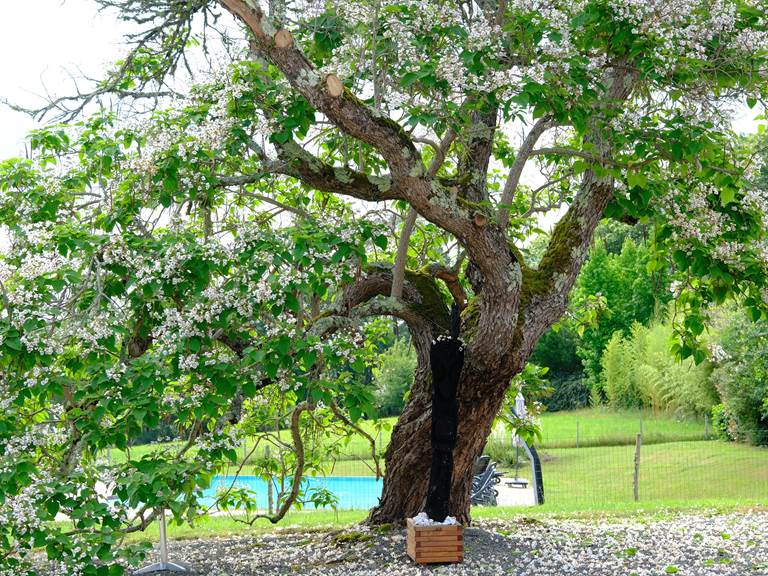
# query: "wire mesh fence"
591 459
602 462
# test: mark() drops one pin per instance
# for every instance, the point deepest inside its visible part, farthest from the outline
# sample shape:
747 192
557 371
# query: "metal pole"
163 564
706 426
538 483
533 456
270 495
163 539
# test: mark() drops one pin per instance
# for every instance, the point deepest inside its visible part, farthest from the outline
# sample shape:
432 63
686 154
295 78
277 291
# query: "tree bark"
409 454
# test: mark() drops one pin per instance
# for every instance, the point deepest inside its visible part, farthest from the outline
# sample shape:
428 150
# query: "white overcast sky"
43 42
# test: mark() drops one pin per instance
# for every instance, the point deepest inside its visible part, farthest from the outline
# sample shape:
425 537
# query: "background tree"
630 294
613 291
405 107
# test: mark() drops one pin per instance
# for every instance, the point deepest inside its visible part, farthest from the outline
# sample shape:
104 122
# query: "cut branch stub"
283 39
480 219
333 85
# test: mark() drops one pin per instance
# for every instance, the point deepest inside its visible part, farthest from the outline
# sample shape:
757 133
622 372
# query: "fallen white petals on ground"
706 543
421 519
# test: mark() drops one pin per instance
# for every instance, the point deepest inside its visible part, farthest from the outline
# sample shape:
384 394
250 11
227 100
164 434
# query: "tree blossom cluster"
451 49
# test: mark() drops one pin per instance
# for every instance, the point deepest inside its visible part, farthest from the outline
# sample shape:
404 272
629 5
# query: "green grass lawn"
596 426
603 427
602 477
677 471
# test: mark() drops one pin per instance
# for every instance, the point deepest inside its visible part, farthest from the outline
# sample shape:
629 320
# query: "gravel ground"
733 544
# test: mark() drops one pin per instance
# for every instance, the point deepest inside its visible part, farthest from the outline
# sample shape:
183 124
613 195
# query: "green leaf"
727 195
170 183
381 241
636 179
13 344
291 302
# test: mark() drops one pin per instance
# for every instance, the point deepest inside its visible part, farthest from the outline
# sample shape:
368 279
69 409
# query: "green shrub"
619 364
721 422
393 377
741 377
639 371
556 350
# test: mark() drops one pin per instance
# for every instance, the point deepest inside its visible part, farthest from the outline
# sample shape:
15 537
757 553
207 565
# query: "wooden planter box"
433 544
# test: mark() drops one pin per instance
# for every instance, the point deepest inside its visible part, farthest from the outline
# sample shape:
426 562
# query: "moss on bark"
432 306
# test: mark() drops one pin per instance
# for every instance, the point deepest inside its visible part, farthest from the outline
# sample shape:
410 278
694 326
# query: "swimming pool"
353 492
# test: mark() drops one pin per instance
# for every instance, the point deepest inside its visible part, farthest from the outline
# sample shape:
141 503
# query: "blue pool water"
352 492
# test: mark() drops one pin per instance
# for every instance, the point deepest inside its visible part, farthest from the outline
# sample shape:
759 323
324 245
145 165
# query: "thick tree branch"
401 257
408 175
479 146
421 305
398 272
313 172
328 95
513 178
336 179
451 279
547 288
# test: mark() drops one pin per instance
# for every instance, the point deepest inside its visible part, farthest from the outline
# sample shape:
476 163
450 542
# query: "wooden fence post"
638 444
577 433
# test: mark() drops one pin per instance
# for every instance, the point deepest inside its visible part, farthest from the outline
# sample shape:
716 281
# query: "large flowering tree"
202 258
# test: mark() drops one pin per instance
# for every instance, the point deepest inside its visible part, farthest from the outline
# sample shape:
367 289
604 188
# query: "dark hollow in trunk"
409 454
446 357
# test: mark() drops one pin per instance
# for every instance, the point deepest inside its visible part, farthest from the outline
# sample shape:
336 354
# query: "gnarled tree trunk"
409 454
